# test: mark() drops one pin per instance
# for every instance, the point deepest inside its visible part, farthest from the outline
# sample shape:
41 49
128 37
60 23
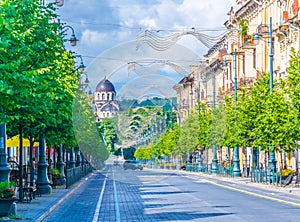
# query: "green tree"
144 152
274 116
189 134
293 80
108 130
171 139
204 125
38 81
87 135
218 126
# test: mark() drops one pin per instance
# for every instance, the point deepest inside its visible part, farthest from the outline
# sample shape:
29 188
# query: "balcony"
248 42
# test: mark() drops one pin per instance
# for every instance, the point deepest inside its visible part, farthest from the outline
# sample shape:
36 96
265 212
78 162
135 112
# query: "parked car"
132 164
116 163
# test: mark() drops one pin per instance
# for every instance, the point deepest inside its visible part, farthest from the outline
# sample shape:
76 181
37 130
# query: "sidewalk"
40 207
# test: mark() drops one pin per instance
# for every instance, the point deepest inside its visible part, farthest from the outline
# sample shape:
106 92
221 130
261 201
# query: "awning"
15 141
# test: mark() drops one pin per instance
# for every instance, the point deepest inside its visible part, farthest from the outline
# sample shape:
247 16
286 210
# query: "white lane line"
97 211
118 216
256 195
247 192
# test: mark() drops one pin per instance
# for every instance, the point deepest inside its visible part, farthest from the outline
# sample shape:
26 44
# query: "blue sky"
106 26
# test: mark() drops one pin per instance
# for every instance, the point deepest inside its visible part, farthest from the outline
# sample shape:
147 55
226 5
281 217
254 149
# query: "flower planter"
5 205
56 182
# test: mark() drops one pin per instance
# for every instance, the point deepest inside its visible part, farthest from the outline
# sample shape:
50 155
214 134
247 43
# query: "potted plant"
7 196
55 174
244 26
286 172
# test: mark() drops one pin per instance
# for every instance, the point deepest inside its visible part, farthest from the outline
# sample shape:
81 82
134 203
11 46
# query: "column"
42 182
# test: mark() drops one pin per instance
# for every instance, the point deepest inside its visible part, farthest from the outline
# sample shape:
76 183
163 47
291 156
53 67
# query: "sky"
108 33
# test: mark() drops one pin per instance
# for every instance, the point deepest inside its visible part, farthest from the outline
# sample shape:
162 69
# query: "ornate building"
259 39
105 100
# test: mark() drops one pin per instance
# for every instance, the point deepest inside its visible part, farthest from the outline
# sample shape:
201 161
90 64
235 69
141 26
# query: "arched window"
98 96
103 96
112 96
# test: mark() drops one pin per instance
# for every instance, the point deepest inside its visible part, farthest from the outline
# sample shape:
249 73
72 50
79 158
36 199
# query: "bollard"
13 209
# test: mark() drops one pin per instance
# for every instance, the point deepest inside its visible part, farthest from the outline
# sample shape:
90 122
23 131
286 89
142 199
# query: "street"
150 195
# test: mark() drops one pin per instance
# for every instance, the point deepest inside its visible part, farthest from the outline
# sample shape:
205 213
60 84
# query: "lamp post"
81 66
236 159
272 160
73 40
214 167
58 3
42 183
199 158
61 166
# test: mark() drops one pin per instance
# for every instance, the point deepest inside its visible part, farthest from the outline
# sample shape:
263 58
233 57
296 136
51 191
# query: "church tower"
105 100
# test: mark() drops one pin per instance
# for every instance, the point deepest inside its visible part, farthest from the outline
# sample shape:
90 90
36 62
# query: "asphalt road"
149 195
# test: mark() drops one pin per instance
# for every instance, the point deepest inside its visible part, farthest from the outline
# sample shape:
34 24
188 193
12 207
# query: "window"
103 96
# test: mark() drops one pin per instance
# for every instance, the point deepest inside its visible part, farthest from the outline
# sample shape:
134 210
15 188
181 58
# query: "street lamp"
214 167
83 84
199 148
236 159
81 66
263 30
73 40
58 3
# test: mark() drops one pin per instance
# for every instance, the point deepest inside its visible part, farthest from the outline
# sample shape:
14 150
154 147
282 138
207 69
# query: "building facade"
105 100
273 21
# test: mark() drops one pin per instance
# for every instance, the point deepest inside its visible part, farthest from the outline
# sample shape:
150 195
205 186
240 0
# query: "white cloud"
91 37
148 22
102 25
123 36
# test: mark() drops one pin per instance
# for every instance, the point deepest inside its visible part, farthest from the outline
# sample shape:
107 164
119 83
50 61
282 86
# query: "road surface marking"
257 195
118 217
97 211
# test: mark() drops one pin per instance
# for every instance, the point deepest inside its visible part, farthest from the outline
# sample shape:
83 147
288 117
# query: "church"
105 100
